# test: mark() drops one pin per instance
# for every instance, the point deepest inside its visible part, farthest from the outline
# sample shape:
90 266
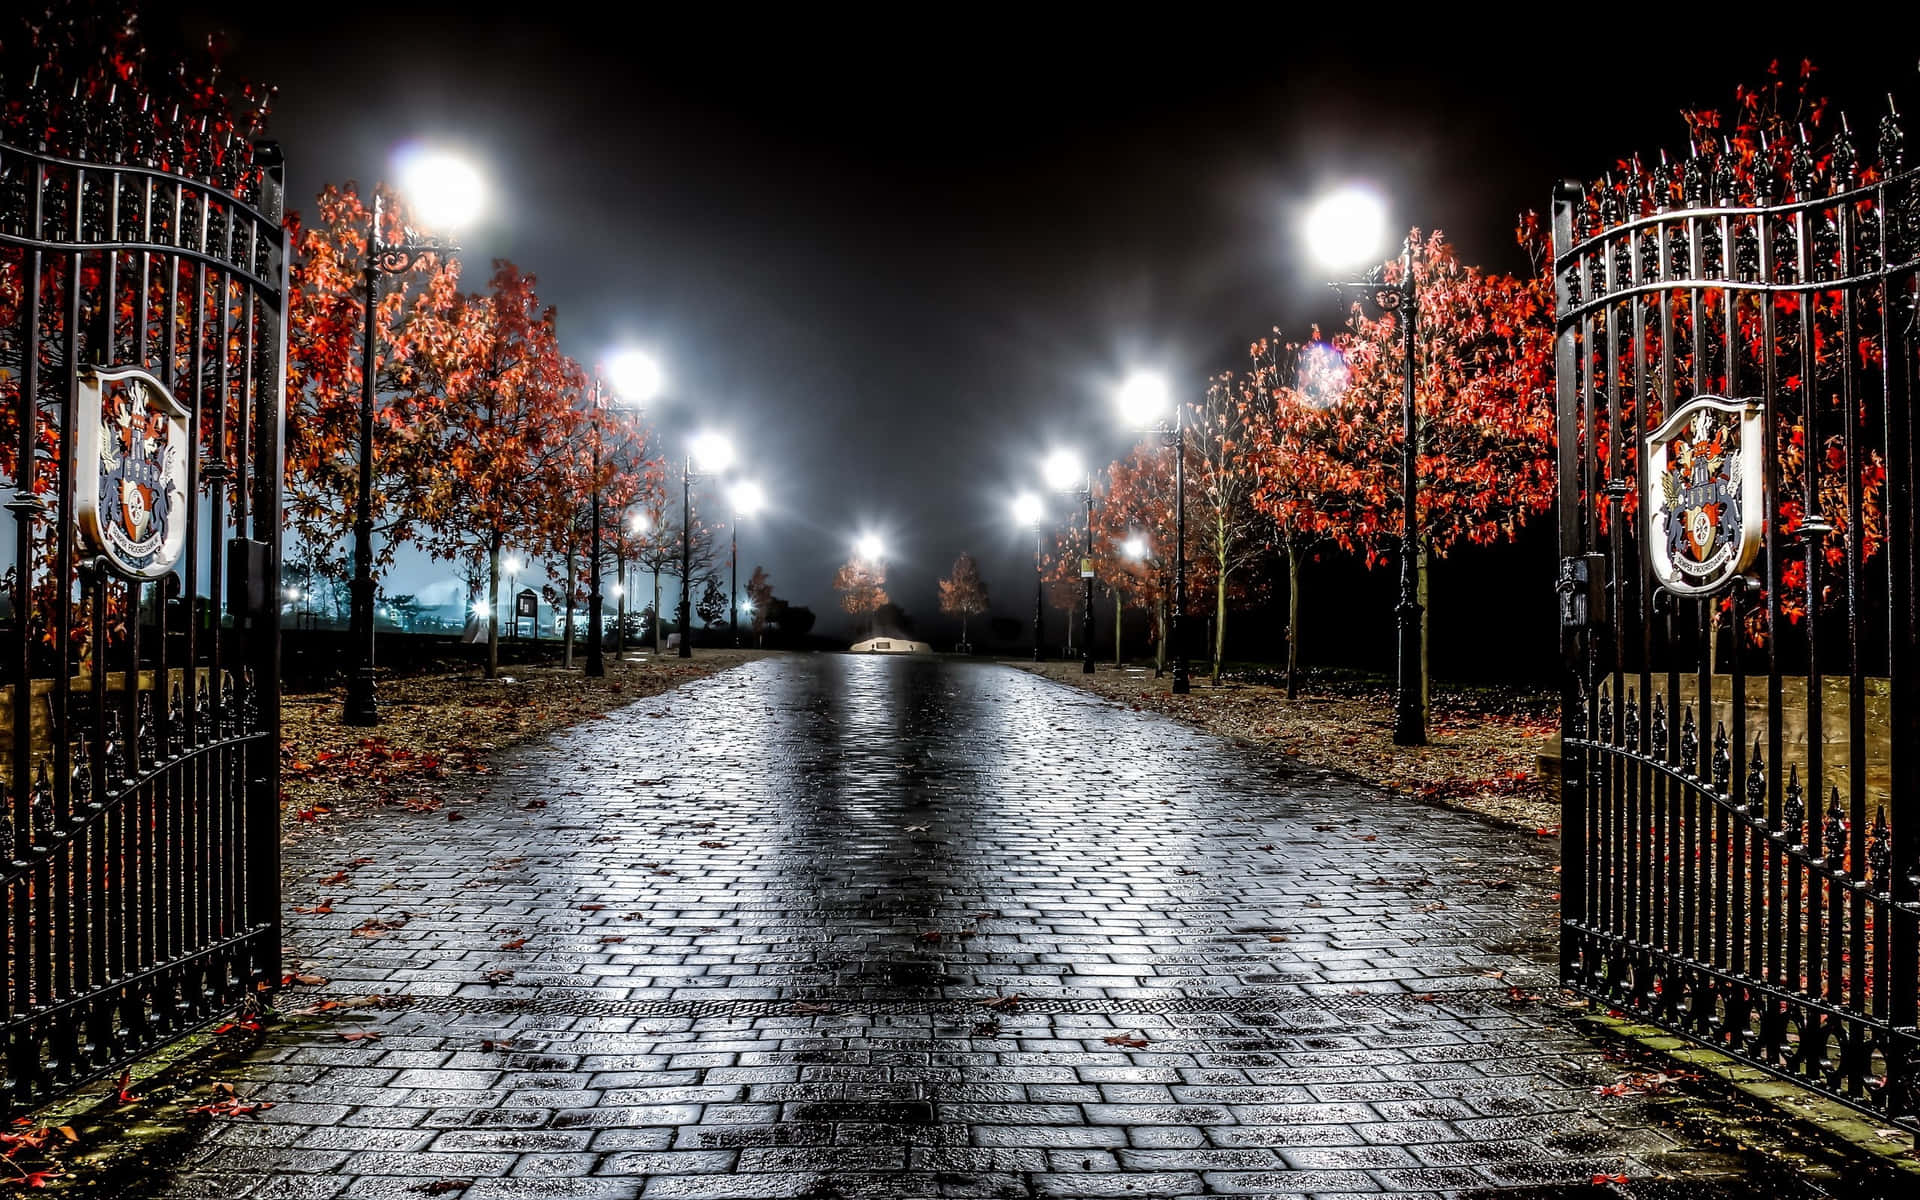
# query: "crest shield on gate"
1704 493
130 470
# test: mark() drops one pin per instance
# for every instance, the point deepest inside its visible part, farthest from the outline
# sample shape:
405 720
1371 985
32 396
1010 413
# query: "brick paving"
741 949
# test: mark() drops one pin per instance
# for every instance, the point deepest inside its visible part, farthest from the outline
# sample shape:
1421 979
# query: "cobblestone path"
733 941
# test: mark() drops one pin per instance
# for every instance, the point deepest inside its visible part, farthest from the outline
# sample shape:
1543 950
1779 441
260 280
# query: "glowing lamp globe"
747 498
441 189
1347 228
1027 509
640 522
1063 471
635 376
1135 547
869 548
712 453
1144 399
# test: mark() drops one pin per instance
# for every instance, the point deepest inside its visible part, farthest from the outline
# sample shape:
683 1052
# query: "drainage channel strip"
562 1004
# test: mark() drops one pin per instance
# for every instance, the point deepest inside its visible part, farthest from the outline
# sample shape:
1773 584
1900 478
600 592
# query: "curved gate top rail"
1740 607
142 368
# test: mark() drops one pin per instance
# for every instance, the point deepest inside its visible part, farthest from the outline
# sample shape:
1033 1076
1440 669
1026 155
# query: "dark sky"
900 259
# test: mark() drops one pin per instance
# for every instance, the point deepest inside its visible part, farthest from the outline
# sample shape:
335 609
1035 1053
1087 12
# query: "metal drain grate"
1370 1004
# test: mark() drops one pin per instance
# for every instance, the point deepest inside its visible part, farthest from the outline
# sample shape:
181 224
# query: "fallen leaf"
515 944
1125 1039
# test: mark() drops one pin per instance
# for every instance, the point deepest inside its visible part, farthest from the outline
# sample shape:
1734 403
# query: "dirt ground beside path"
1481 757
439 732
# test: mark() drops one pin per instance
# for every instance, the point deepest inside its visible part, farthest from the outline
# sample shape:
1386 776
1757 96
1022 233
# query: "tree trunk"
567 654
1421 564
1219 624
963 629
493 607
1119 614
656 609
1293 618
1160 643
620 607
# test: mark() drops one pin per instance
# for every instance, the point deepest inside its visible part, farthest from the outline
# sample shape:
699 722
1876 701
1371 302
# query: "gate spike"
1606 716
1756 780
176 724
1659 733
1836 833
1631 718
1726 176
6 826
1879 851
1893 140
145 741
1846 160
116 751
80 783
41 803
1794 807
1689 745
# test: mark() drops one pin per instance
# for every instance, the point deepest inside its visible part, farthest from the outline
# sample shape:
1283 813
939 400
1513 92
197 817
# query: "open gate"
1735 362
142 358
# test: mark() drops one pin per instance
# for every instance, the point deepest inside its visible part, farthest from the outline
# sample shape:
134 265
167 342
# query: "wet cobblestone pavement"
741 951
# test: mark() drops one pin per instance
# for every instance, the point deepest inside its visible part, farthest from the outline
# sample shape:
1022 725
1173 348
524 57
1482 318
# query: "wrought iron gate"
1742 746
142 358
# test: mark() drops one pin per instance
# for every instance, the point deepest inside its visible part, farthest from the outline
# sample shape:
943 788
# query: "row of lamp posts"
1344 230
447 193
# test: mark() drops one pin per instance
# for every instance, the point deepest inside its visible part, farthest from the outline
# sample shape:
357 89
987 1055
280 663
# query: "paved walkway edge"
1837 1129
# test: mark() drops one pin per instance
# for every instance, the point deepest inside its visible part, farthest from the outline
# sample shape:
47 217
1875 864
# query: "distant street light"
1065 474
636 379
747 499
708 453
1345 230
447 194
869 548
1028 510
1143 401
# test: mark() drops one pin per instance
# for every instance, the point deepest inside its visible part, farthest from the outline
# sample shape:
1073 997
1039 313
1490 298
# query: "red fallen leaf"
455 816
373 927
325 906
126 1082
515 944
533 804
1600 1179
611 939
1006 1004
1547 831
363 1036
1427 998
591 907
500 1044
1369 837
1279 937
306 814
1125 1039
40 1179
232 1108
303 980
336 877
716 845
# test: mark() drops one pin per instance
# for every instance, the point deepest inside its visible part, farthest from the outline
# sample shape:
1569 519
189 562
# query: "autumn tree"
862 588
1293 388
764 603
1220 462
712 606
326 315
1483 395
963 594
1140 492
499 449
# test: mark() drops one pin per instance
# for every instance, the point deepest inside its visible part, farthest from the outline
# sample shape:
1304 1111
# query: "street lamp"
711 453
747 499
1028 510
1344 230
1065 474
512 567
1143 401
639 525
447 194
636 379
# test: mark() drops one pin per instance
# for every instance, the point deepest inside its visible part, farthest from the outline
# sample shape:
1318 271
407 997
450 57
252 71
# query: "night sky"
899 262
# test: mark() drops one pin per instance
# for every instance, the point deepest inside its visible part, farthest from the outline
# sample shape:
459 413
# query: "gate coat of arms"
1705 493
130 471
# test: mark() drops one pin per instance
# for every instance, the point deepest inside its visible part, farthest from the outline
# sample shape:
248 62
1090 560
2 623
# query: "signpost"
526 606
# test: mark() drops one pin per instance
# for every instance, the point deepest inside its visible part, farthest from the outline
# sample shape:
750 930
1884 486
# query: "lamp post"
447 193
639 525
512 565
1344 230
714 454
1143 401
636 379
1027 510
747 499
1064 474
